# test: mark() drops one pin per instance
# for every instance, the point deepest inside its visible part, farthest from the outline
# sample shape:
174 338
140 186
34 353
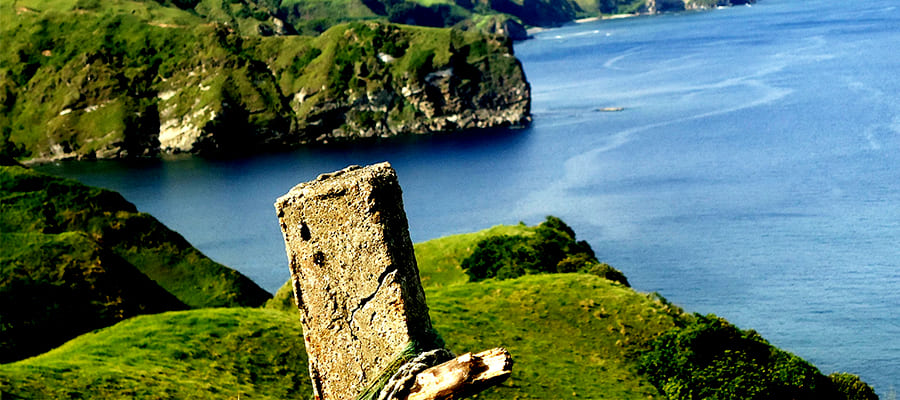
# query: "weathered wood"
463 376
354 275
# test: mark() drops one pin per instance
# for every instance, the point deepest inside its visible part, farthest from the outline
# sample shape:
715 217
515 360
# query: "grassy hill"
581 335
40 204
218 353
129 78
571 335
54 287
74 258
206 354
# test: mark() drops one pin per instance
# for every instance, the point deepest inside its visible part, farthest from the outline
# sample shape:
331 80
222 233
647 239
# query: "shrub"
506 256
551 249
302 61
605 271
851 387
87 4
420 62
712 359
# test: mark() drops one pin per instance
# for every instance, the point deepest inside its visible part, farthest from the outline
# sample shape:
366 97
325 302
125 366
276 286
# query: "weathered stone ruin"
354 275
357 286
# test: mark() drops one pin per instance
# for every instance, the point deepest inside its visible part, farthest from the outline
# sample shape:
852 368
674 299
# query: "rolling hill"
571 334
76 258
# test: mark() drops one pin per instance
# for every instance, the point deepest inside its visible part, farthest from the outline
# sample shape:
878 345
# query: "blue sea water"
754 172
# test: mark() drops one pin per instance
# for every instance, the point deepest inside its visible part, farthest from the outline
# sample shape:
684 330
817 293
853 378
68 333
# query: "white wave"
563 36
878 98
610 64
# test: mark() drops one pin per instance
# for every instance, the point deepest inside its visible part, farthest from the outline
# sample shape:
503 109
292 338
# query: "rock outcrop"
462 84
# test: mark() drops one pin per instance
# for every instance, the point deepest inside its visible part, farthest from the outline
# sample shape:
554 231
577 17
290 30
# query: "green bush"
420 62
551 248
87 4
302 61
711 359
852 387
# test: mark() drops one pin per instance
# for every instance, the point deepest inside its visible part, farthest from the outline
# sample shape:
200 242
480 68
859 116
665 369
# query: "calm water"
754 173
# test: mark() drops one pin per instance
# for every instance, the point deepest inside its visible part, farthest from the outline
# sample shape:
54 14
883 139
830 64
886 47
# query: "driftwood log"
463 376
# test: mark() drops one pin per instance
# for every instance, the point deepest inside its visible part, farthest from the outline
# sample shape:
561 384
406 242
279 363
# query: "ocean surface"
753 173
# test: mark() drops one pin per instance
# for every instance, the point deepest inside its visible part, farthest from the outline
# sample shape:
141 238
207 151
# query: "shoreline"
538 29
606 17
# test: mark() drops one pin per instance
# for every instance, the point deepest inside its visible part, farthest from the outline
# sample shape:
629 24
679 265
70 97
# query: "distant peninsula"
87 79
84 79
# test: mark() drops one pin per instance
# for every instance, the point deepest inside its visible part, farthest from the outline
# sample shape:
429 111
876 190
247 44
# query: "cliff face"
153 85
410 80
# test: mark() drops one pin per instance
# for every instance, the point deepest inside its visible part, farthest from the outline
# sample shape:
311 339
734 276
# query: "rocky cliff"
382 80
145 79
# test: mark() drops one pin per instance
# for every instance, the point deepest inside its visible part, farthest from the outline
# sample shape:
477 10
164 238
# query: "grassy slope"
54 287
35 203
586 322
342 66
88 81
211 353
439 259
572 335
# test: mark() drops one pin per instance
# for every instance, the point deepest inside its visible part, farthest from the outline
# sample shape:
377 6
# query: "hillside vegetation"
75 258
589 335
201 354
571 334
54 287
128 78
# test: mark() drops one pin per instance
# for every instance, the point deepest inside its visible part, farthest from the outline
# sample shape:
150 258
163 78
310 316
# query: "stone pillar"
354 275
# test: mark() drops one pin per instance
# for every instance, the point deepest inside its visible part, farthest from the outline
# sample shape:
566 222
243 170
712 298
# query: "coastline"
605 17
538 29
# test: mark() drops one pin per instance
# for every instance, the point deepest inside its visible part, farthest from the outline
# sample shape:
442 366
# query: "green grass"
439 259
38 203
54 287
587 323
570 335
100 81
209 354
75 258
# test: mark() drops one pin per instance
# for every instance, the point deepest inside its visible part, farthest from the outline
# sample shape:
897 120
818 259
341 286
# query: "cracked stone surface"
354 275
